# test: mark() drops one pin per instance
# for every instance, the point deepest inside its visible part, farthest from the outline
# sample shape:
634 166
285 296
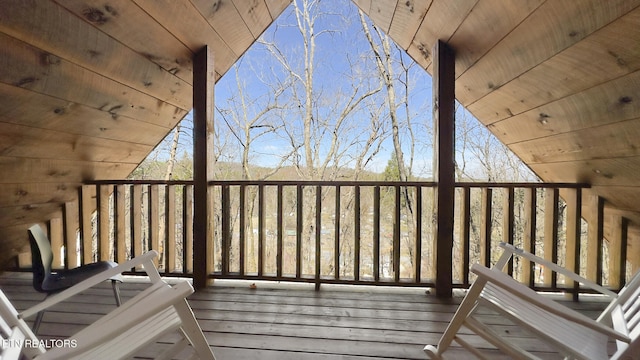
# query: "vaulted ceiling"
89 87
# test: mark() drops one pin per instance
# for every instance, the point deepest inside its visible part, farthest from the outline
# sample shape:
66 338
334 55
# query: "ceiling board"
28 108
602 56
607 103
225 19
25 141
471 44
63 36
605 172
37 193
406 20
189 26
255 15
26 170
440 23
381 13
601 142
39 71
154 42
558 25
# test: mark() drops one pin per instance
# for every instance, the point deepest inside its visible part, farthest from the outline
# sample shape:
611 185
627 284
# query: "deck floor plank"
277 321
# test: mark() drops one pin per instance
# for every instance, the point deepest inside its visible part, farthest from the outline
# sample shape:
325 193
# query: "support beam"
203 84
443 167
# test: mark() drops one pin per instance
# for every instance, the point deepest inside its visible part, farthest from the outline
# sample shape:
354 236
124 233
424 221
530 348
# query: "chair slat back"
625 316
15 332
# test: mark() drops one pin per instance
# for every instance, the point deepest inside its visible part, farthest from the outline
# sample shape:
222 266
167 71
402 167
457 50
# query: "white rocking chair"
570 333
146 317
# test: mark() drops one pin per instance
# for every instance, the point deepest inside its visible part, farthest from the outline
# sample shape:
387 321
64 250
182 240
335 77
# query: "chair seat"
570 338
64 279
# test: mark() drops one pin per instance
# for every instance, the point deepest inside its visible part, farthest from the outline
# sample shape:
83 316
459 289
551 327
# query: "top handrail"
471 184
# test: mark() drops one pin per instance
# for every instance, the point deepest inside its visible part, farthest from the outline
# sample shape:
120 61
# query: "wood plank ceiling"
89 87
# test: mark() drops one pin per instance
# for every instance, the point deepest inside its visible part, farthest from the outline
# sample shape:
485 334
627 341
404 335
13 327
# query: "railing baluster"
356 233
376 233
154 222
226 229
299 225
618 251
336 231
318 226
88 203
243 229
71 226
170 228
485 227
507 221
417 253
529 236
595 234
396 233
104 241
120 237
187 229
280 229
573 199
550 242
56 238
261 216
465 224
136 221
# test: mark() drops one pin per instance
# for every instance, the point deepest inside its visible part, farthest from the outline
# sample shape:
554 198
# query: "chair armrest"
559 269
146 260
506 282
126 318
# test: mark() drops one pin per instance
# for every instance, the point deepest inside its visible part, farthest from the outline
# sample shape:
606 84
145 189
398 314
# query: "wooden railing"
336 232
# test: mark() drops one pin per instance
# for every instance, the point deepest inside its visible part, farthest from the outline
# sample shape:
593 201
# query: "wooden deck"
278 321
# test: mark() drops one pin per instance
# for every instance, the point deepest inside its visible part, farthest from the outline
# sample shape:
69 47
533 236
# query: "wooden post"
203 84
443 167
